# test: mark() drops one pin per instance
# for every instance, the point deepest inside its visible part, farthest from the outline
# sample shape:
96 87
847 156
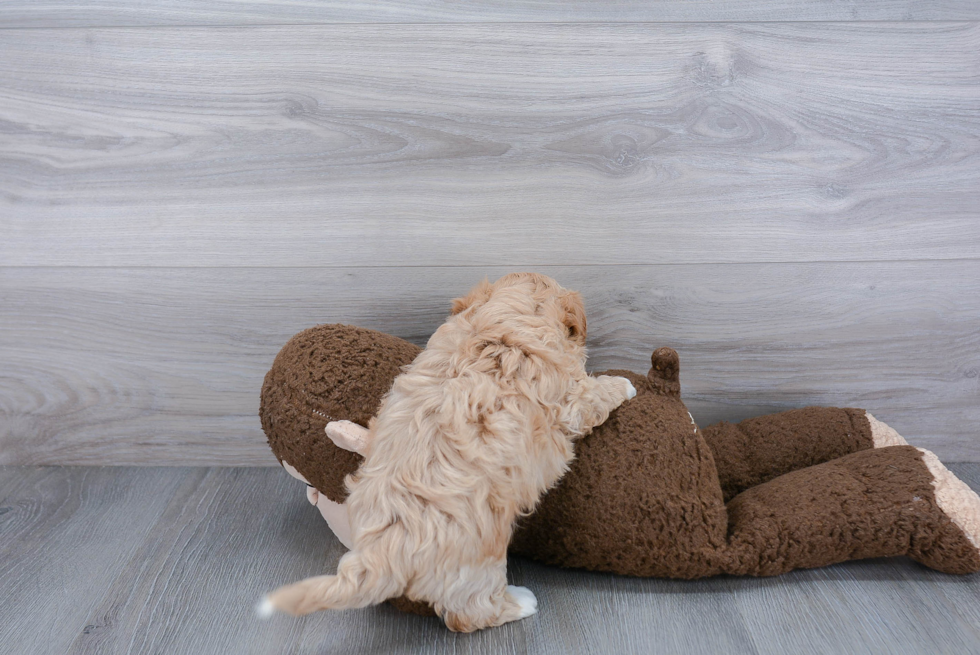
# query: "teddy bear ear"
665 371
574 319
478 294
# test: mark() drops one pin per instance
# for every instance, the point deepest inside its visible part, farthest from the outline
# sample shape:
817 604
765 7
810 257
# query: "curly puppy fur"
470 436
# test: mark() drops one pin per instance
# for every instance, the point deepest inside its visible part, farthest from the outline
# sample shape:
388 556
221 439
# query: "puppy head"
478 295
532 294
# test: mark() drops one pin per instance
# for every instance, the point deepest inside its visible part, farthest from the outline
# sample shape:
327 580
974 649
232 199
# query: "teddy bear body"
651 494
674 521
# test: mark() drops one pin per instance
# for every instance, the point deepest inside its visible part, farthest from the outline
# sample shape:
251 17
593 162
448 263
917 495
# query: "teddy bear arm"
349 436
760 449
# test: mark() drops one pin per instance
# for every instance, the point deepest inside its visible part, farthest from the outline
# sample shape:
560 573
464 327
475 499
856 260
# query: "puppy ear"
574 320
479 293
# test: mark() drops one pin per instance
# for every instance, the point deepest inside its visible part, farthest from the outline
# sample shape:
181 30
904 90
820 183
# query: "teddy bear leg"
884 502
882 435
760 449
961 505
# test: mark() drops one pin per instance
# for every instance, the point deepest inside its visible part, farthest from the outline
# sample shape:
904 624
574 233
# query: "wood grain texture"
164 366
192 586
65 13
407 145
172 560
63 534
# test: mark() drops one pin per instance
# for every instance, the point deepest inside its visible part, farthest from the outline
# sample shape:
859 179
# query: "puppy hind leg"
473 606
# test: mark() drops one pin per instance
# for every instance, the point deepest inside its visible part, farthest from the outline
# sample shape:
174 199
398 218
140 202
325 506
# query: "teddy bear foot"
955 550
882 435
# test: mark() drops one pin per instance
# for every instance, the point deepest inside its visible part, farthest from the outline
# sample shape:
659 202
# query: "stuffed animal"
650 493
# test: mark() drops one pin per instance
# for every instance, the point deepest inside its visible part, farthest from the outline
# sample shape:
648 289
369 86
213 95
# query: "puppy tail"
353 586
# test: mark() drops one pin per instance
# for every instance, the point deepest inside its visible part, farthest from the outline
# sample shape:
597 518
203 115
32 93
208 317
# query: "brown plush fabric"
645 495
760 449
872 503
642 496
404 604
327 373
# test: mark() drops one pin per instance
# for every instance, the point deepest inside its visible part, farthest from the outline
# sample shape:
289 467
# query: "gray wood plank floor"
171 560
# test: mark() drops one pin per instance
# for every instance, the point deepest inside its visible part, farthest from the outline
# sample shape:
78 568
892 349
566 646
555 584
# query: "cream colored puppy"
470 436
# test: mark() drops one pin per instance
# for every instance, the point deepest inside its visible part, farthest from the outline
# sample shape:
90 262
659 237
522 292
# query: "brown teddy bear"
650 493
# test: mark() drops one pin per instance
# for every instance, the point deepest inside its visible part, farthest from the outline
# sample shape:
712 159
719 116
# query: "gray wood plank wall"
75 13
788 193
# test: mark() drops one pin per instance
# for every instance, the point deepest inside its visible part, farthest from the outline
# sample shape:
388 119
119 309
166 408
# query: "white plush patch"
335 514
957 501
337 518
882 435
525 598
265 608
293 472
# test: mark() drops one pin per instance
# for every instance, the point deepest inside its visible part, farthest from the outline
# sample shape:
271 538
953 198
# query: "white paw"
630 389
525 598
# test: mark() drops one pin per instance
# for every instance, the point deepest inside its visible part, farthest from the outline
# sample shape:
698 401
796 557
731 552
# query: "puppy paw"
624 389
615 391
630 389
524 597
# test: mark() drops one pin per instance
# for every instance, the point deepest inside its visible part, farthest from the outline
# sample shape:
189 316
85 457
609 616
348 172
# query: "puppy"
470 436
